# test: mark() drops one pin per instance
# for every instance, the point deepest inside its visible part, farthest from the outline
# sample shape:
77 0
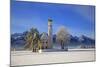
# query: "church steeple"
50 33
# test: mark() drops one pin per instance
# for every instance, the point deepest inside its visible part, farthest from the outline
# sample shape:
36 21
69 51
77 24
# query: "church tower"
49 33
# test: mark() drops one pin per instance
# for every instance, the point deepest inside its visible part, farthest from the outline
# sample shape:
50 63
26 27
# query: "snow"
34 58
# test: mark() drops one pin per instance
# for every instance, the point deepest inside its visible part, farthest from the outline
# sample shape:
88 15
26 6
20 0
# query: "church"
46 40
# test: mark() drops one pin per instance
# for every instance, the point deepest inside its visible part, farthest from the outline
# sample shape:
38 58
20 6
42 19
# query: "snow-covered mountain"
18 40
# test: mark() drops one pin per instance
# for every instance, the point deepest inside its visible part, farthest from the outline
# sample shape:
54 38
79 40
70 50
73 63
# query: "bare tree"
63 36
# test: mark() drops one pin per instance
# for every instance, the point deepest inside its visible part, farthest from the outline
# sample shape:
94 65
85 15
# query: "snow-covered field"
30 58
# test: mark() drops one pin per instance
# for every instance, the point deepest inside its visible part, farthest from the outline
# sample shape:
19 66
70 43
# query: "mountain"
87 40
18 40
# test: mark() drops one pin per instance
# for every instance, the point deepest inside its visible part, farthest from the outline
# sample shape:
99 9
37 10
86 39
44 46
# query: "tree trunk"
62 45
33 50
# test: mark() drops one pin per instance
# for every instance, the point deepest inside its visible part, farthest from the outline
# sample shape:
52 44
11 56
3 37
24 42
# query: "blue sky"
78 19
